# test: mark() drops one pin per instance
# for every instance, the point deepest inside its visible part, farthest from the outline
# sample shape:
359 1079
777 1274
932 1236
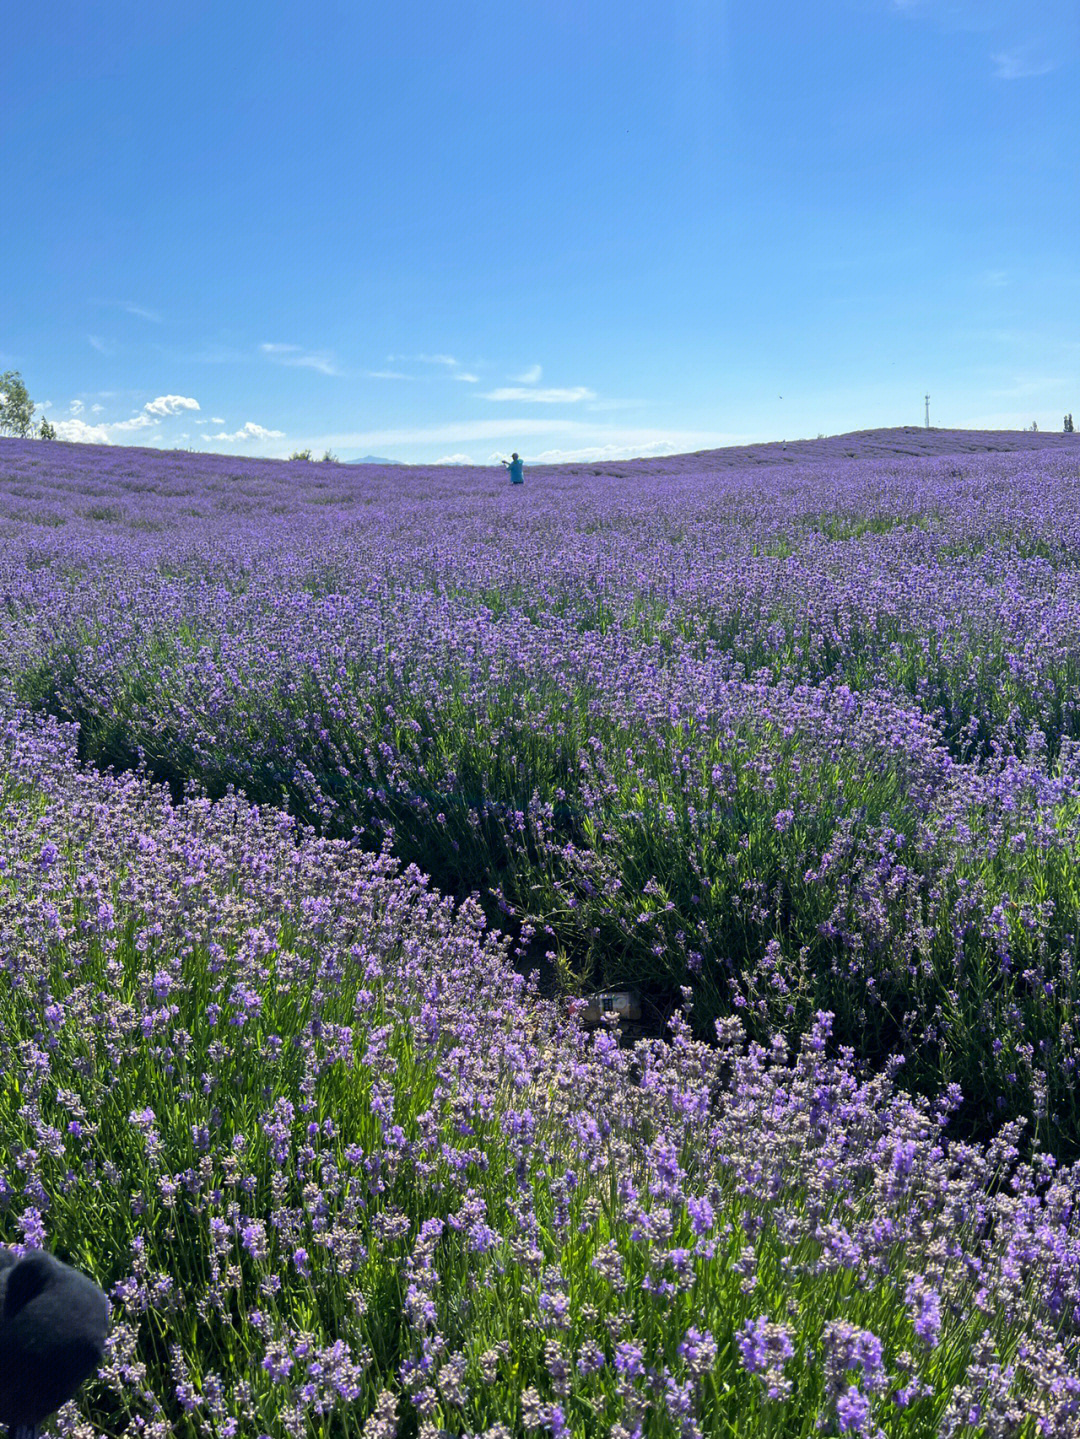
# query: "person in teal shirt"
515 467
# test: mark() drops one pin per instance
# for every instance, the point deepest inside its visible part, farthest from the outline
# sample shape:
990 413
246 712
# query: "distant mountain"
376 460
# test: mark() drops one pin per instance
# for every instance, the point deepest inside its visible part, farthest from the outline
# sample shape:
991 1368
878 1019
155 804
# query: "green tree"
300 455
46 430
16 407
330 459
1068 423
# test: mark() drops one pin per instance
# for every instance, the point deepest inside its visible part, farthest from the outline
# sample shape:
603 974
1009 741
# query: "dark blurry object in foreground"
53 1322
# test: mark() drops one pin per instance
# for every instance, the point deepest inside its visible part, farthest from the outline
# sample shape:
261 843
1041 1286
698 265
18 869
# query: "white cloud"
386 375
170 405
547 397
447 360
149 417
81 432
320 360
469 379
454 460
994 279
1023 62
250 431
530 377
99 345
48 405
215 421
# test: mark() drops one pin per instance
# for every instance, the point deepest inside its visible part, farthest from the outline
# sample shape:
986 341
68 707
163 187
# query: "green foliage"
300 455
267 1088
1069 423
16 407
328 458
46 431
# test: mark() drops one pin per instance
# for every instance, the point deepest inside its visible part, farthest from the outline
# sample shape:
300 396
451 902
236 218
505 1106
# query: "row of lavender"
341 1173
802 737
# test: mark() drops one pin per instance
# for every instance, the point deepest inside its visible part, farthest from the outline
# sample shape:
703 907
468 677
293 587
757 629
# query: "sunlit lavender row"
789 742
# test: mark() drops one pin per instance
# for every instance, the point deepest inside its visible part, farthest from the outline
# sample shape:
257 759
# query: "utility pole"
928 412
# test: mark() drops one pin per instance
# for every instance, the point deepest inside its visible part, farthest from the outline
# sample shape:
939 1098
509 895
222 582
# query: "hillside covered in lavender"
327 790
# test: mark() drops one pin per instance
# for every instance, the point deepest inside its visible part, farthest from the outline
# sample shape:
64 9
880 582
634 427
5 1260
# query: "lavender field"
306 771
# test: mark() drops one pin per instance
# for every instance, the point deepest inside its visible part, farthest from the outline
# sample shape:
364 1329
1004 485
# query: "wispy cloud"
99 344
972 15
454 460
446 362
96 409
130 308
513 430
250 431
546 397
386 375
76 407
1029 36
321 360
215 421
1023 62
1008 420
994 279
142 313
606 452
215 354
530 377
1024 385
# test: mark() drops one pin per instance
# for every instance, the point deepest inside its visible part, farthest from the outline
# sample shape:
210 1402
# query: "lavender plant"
801 735
341 1171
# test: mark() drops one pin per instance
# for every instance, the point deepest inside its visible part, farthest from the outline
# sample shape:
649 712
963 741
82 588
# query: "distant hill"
908 440
375 460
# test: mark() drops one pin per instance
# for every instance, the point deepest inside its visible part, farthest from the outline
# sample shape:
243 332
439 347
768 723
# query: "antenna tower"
928 412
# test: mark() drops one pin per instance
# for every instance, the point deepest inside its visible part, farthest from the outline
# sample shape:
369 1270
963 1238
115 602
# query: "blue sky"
564 227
